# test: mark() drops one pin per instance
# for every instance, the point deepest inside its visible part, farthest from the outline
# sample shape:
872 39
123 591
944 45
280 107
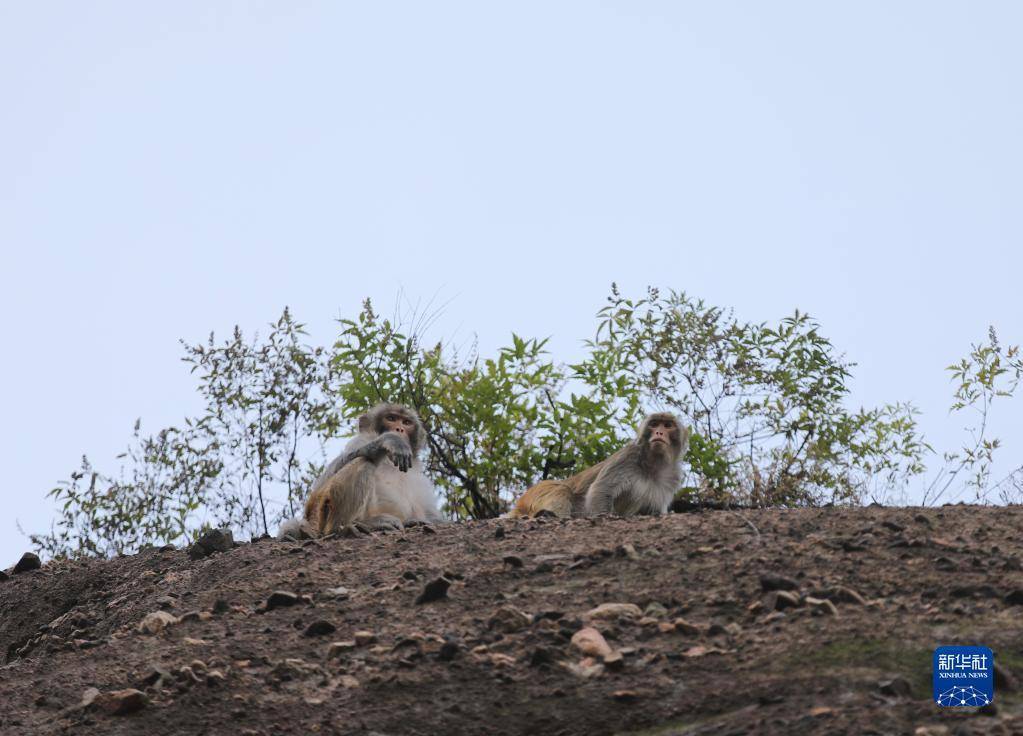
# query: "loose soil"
712 651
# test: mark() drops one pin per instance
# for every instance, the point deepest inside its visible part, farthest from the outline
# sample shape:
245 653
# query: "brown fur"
379 491
647 468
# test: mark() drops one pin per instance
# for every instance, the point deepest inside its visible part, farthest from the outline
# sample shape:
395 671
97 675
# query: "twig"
748 523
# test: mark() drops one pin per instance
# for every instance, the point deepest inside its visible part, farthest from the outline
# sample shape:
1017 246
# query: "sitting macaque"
376 483
641 478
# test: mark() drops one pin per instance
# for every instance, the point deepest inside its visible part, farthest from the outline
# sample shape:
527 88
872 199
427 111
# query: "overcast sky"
168 169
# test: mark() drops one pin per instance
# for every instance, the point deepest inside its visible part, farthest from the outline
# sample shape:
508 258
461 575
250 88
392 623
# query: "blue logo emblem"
963 676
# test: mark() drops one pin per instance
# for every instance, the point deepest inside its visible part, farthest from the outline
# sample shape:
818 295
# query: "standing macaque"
641 478
376 483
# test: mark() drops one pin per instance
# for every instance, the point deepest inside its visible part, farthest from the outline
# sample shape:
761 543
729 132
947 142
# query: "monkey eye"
407 422
391 417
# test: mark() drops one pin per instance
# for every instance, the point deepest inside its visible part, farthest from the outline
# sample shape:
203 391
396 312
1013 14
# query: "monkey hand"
397 448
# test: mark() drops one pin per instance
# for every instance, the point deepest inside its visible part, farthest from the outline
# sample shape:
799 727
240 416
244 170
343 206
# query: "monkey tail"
547 495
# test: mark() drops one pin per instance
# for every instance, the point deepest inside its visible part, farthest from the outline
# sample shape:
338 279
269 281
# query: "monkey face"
397 421
662 434
394 418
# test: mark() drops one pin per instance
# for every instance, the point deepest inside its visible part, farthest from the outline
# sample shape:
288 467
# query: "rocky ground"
754 622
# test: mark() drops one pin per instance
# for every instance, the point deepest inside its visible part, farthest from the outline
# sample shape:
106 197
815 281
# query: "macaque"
641 478
376 483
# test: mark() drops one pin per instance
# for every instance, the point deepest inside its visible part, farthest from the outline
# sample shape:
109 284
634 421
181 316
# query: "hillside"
803 621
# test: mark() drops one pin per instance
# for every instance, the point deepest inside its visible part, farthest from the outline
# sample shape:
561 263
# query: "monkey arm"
388 444
615 479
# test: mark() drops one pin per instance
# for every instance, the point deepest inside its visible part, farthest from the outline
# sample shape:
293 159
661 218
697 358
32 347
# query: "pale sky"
168 169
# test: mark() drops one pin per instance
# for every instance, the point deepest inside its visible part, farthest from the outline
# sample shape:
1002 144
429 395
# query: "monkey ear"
683 437
364 423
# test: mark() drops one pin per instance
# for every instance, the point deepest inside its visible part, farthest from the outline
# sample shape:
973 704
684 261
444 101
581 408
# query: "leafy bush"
767 404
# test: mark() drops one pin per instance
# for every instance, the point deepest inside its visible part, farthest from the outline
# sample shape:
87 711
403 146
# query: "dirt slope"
708 655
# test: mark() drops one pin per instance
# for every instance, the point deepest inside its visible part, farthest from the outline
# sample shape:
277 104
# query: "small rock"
585 670
770 581
221 606
339 648
627 551
434 590
615 611
512 560
684 627
165 602
1015 597
28 562
897 687
89 697
508 620
348 682
215 540
701 651
591 642
215 678
448 650
774 616
501 660
320 628
365 638
156 622
281 599
499 533
625 696
123 702
194 642
340 593
655 610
